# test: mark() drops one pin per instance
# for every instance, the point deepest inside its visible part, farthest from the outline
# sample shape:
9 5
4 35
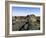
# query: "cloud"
25 14
37 14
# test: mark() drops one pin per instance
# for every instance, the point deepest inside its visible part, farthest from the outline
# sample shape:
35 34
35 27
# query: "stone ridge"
29 22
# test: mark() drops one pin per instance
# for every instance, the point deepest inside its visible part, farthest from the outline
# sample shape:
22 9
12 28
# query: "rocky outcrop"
29 22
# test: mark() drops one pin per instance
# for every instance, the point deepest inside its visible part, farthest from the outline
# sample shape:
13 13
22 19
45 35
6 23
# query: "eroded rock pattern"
22 23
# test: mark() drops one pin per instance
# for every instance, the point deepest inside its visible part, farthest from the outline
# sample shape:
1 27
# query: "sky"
24 11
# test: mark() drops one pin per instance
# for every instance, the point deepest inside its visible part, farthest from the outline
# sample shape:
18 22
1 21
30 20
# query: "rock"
29 22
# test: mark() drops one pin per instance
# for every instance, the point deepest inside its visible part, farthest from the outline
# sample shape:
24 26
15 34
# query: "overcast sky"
23 11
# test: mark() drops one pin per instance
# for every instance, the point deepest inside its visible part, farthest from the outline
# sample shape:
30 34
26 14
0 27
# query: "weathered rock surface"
22 23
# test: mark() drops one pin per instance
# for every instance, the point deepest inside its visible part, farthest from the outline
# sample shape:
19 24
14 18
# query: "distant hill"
29 22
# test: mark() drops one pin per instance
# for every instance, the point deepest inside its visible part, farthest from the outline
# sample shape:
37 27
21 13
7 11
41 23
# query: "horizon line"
26 15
